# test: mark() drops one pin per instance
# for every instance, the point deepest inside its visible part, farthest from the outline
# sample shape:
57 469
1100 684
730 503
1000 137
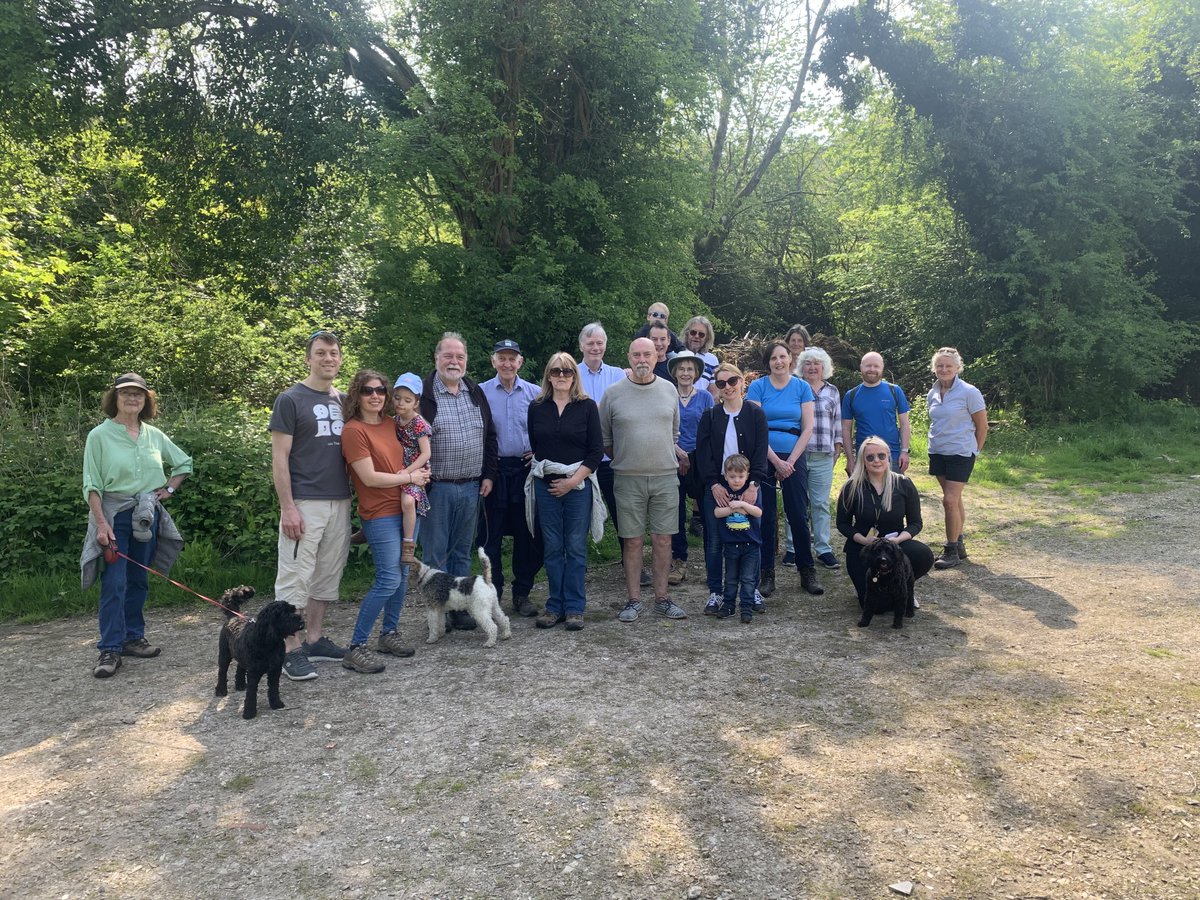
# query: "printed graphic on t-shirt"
329 419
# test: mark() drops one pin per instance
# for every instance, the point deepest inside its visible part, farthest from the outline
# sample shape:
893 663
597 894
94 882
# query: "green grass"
1148 448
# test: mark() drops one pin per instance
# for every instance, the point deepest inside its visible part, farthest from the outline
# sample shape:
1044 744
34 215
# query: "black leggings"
918 554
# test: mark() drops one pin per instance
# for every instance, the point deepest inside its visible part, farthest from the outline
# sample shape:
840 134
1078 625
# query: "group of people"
450 464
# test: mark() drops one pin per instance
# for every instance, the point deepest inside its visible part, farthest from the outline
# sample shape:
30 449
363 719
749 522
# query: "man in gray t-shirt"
314 501
639 425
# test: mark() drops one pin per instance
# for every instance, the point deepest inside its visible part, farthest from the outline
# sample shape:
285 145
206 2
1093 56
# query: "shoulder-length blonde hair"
561 361
856 485
352 405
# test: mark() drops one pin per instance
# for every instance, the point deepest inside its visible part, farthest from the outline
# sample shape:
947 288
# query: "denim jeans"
714 556
679 547
820 483
565 522
795 508
383 535
124 586
449 530
504 513
741 573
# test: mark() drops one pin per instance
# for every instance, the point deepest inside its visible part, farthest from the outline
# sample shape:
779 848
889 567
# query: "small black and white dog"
474 594
256 645
889 583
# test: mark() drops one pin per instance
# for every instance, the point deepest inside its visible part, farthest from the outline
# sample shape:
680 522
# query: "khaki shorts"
312 567
646 502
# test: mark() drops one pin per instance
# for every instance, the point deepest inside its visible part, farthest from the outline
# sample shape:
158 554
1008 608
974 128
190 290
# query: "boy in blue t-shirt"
741 537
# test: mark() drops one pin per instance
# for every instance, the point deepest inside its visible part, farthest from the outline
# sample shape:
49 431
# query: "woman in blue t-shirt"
787 403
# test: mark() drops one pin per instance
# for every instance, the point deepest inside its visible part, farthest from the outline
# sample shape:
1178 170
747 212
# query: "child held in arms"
741 537
413 432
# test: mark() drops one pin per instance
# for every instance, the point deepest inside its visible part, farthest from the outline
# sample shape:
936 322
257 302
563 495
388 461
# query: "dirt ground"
1032 733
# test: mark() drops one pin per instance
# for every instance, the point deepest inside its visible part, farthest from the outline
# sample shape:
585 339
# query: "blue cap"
409 382
507 344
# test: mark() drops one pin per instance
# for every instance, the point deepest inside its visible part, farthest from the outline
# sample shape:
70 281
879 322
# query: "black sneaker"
759 604
789 558
829 561
727 611
297 667
747 618
323 650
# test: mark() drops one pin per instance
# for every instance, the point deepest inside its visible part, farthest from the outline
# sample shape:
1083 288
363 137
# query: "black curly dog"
889 583
257 646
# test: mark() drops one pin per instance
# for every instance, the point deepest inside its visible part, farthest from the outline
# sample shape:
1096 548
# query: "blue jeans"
449 528
679 548
714 556
124 586
795 508
820 483
391 579
565 522
741 573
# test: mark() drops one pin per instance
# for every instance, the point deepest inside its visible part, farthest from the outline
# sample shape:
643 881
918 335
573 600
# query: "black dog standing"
889 583
256 645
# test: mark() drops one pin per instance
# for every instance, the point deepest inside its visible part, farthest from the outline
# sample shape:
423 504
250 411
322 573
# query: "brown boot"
408 553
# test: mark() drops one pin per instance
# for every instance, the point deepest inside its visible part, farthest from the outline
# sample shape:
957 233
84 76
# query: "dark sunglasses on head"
561 373
658 315
380 390
875 457
731 381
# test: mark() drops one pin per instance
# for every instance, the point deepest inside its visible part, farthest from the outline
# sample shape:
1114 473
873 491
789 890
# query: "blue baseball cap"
507 344
409 382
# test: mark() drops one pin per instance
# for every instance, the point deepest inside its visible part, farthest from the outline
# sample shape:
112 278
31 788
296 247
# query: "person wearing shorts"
310 480
958 427
639 425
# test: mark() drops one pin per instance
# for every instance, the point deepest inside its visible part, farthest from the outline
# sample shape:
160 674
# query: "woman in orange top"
376 461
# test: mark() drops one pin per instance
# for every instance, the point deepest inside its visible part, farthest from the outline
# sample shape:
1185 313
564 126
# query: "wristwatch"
170 490
904 450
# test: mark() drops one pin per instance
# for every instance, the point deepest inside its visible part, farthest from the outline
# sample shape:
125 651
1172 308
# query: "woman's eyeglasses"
731 381
378 390
875 457
562 373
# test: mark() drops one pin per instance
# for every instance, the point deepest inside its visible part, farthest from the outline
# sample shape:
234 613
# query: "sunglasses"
130 392
562 373
876 457
658 315
694 333
378 390
732 381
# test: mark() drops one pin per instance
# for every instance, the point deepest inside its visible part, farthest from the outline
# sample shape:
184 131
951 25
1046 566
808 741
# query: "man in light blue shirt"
508 396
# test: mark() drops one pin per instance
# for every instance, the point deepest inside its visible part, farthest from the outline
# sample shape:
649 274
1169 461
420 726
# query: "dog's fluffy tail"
486 564
233 599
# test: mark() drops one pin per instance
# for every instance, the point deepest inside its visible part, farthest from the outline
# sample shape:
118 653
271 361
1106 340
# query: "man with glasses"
463 463
314 501
876 407
639 425
508 395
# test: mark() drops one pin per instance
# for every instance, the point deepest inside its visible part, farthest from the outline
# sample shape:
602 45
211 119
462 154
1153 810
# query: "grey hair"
450 336
590 329
818 354
708 326
946 351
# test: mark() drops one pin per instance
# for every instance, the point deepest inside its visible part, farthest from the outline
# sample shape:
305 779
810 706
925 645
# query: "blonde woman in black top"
877 502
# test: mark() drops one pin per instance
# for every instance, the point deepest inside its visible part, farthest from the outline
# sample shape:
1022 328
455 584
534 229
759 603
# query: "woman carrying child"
377 467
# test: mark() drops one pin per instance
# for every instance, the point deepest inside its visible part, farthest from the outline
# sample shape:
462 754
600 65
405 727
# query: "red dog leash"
112 554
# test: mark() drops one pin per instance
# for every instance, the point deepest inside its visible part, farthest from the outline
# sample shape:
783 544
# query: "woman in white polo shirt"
957 430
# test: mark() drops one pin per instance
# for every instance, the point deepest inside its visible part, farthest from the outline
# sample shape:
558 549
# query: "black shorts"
952 468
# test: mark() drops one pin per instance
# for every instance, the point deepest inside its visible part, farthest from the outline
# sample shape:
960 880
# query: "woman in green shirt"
124 457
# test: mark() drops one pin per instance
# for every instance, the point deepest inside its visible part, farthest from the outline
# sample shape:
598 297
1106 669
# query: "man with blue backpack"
876 407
